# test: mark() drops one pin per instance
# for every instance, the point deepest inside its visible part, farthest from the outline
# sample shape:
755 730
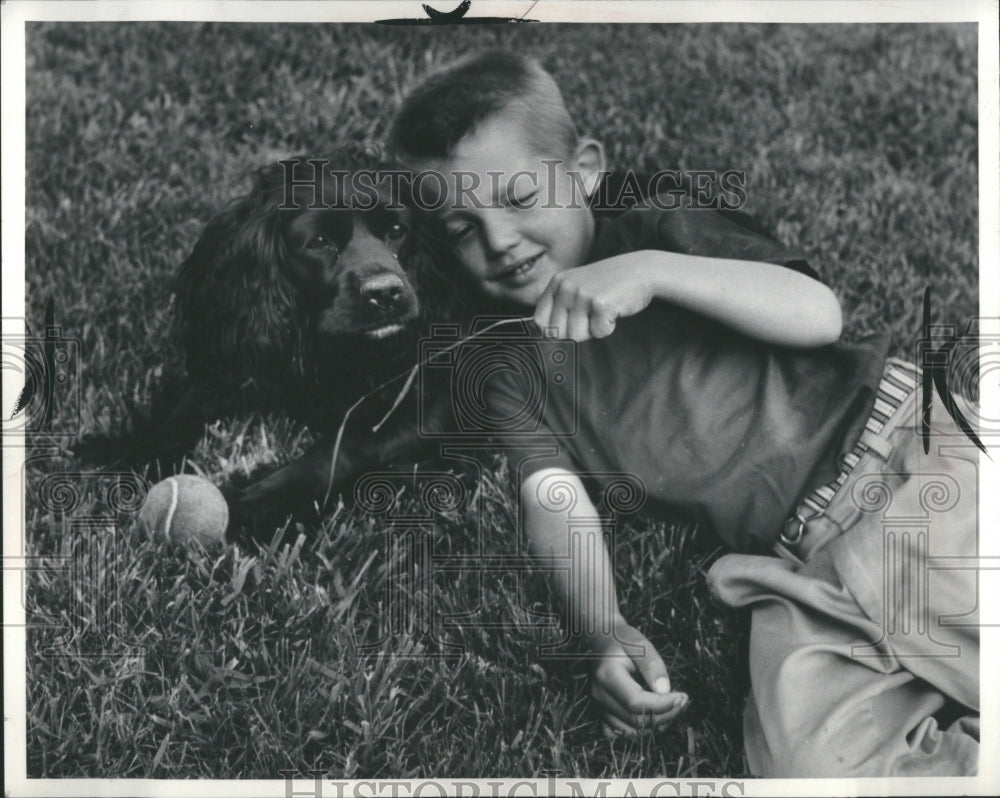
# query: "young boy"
709 368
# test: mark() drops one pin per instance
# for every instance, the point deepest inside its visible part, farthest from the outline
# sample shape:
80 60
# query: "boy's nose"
499 232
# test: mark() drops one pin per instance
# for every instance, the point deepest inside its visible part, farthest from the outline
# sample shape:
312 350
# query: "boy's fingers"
613 727
653 670
610 708
601 325
565 301
558 321
543 309
649 662
637 712
618 688
578 324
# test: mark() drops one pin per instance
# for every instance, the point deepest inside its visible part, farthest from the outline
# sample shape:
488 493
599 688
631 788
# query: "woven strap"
898 382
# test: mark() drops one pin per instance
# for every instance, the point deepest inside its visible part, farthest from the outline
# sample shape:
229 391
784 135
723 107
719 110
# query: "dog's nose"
385 292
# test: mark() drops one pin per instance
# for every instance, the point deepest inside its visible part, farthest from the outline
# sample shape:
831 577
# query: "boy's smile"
519 273
514 215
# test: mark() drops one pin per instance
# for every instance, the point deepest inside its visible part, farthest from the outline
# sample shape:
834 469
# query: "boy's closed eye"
459 230
526 200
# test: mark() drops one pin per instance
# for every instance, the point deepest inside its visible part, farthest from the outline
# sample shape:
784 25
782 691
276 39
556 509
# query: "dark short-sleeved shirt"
718 427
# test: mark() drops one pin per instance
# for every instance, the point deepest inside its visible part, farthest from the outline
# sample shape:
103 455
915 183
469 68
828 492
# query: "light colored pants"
854 653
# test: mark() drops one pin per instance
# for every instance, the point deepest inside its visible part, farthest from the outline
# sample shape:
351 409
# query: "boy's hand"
631 686
585 302
761 300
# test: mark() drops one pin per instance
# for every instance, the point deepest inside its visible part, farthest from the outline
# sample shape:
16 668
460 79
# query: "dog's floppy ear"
241 320
430 261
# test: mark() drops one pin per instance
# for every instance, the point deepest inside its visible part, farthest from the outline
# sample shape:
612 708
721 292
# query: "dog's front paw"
239 519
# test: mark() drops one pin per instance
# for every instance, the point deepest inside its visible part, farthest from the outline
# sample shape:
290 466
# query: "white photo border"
14 16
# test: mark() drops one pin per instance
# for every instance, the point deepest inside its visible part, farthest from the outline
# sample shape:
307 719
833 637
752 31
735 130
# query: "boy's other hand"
585 302
631 686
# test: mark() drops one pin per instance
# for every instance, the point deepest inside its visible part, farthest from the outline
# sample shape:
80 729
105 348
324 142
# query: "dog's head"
302 269
346 266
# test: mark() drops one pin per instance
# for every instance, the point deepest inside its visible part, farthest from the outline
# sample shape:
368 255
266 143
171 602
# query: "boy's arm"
630 681
762 300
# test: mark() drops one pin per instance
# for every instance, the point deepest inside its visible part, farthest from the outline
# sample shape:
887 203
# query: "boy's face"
514 219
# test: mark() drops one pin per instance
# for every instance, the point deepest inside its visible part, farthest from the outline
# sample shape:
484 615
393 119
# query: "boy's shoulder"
664 225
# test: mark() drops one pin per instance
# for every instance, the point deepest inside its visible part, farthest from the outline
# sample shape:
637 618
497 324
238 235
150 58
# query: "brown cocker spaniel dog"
295 300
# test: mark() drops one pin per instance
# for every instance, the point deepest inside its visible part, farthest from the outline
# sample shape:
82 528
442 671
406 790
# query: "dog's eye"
395 236
320 242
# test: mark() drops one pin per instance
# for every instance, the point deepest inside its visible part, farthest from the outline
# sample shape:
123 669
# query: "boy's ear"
589 161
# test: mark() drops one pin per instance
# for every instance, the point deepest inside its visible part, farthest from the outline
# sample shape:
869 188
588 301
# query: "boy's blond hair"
449 104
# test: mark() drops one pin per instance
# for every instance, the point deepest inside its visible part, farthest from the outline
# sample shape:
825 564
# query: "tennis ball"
185 507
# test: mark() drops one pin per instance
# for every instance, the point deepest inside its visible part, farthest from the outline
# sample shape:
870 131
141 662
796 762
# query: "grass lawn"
859 144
